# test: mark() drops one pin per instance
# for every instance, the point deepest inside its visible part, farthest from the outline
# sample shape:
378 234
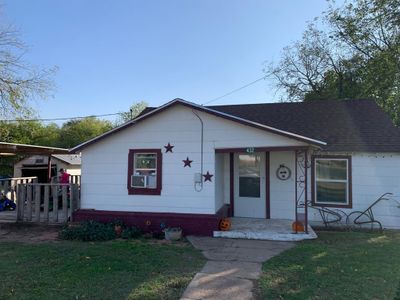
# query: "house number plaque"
249 150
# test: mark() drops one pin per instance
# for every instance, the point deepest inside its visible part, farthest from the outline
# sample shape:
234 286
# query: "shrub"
88 231
131 232
118 222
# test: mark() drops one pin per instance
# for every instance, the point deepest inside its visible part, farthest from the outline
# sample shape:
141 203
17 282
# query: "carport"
7 149
38 202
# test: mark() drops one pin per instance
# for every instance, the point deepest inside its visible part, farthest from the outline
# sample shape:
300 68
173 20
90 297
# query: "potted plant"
173 233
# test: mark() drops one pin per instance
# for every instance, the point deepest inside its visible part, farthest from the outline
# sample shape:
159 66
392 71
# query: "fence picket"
65 203
46 204
29 203
37 202
55 203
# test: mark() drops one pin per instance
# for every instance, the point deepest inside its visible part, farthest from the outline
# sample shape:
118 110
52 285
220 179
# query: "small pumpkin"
225 224
297 226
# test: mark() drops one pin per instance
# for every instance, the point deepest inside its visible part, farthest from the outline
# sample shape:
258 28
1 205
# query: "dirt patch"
28 233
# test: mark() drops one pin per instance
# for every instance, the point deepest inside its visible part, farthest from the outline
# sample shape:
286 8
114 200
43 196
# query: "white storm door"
249 200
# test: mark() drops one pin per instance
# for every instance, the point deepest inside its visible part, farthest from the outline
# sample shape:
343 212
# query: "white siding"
282 191
373 175
105 164
219 181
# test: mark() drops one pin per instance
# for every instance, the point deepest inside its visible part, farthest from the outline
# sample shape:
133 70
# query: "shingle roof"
71 159
350 125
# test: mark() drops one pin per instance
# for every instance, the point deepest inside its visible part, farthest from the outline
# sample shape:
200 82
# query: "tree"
133 112
358 56
20 82
29 132
76 132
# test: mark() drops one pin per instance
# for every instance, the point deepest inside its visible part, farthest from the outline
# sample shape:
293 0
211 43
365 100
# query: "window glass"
249 165
146 165
145 161
249 175
331 181
335 192
331 169
249 187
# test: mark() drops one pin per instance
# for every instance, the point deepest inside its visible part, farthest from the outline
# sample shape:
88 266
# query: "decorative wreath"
283 172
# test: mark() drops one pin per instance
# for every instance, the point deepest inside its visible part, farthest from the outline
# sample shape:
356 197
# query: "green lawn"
338 265
101 270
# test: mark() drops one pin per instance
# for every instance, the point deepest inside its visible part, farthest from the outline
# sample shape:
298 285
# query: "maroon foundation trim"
191 224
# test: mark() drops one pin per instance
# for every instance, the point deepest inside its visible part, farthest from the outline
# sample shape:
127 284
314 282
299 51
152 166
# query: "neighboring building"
37 165
188 165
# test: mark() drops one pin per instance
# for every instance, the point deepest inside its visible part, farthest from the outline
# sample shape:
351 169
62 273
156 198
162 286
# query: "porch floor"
264 229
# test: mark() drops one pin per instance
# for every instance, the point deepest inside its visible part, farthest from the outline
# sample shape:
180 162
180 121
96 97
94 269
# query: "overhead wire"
60 119
235 90
119 113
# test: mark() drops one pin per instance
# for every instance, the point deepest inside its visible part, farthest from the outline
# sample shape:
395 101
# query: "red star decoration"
168 148
207 176
187 162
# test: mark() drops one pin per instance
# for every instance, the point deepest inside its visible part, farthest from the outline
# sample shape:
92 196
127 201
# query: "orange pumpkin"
225 224
297 226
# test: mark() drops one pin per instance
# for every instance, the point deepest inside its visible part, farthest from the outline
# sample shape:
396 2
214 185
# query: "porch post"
49 169
301 187
296 187
306 190
231 182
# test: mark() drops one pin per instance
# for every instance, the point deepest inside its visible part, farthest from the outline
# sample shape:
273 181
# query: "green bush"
131 232
88 231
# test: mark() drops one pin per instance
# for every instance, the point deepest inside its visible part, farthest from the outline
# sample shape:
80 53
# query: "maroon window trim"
144 191
313 158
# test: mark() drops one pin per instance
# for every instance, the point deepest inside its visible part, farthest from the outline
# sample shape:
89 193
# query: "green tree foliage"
133 112
30 132
357 56
76 132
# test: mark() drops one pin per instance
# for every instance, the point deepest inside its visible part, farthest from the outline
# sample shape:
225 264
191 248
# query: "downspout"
198 186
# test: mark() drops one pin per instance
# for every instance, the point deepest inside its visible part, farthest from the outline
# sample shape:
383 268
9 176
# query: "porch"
264 229
266 190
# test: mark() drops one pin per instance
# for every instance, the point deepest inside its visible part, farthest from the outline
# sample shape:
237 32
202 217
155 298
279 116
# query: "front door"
249 200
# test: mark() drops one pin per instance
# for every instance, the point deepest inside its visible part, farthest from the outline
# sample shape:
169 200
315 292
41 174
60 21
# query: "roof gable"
148 113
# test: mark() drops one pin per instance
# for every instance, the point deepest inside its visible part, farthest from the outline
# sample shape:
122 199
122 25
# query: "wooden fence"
47 202
9 185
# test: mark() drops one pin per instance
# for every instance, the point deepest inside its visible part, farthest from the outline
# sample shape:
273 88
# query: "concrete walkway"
232 266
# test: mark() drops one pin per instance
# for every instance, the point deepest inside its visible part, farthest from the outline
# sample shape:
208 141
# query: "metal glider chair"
367 216
329 216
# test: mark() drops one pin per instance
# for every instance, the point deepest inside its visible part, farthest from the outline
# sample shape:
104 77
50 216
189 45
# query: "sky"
111 54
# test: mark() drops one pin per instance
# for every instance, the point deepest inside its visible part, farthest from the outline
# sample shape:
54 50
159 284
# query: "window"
249 175
332 181
144 171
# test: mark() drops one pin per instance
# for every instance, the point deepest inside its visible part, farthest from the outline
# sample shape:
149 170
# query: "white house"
187 165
